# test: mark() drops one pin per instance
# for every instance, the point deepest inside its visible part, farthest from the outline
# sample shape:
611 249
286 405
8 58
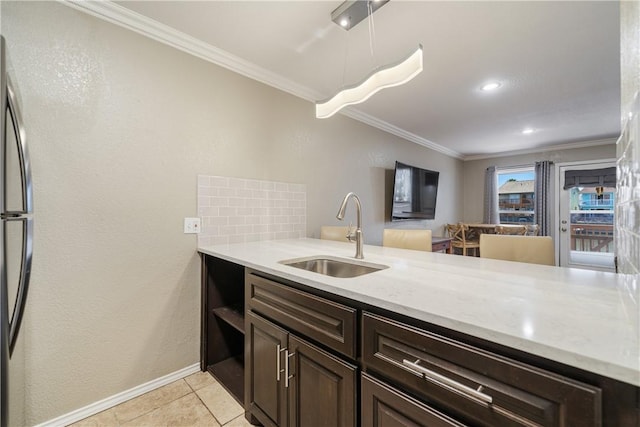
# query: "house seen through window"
516 196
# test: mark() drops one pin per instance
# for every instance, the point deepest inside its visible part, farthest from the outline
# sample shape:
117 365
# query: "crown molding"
394 130
557 147
126 18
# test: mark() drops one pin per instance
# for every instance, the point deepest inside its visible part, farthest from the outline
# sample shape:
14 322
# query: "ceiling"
558 63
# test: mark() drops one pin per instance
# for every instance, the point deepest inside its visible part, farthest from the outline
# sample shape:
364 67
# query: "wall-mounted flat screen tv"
414 193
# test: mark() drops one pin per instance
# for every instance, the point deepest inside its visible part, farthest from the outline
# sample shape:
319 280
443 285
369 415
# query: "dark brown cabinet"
384 406
324 321
298 356
322 390
473 385
265 394
290 382
222 323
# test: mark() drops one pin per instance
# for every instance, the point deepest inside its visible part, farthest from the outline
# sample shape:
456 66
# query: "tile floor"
197 400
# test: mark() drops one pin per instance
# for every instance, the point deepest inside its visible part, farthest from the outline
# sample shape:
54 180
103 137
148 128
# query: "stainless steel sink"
332 266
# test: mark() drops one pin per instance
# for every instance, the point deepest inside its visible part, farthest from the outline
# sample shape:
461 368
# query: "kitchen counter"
586 319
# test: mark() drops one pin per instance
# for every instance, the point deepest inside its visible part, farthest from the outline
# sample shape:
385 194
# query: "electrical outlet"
191 225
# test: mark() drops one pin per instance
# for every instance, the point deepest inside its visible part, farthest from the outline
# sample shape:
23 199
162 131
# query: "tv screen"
414 193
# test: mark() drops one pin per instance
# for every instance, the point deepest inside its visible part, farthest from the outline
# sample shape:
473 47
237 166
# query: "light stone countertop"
586 319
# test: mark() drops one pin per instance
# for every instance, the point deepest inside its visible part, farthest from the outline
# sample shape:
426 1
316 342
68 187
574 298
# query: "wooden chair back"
532 230
518 230
458 234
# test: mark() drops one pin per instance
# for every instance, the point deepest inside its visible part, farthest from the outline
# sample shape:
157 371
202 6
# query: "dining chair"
419 240
514 230
530 249
458 234
532 230
334 232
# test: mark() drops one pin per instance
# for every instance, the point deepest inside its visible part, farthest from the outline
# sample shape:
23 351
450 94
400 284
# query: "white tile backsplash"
628 192
628 149
236 210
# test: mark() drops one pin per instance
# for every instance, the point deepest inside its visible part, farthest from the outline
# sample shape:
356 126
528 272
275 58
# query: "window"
516 196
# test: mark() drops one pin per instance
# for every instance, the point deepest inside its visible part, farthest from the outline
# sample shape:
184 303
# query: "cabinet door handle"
278 367
448 382
287 377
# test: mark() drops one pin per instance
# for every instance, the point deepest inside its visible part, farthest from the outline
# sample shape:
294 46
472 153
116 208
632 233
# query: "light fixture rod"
389 76
351 13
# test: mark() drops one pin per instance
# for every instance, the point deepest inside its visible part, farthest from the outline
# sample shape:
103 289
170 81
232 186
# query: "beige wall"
118 127
474 171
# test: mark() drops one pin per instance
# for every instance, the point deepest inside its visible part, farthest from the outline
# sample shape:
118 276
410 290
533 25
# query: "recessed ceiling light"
487 87
344 22
527 131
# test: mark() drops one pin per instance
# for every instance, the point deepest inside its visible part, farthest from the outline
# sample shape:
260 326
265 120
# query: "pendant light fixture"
347 16
389 76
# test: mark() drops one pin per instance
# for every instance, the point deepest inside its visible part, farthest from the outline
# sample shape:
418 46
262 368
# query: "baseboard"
116 399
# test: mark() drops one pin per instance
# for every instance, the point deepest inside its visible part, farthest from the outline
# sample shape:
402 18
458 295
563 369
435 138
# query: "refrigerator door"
18 234
4 305
18 197
16 398
15 233
18 205
16 246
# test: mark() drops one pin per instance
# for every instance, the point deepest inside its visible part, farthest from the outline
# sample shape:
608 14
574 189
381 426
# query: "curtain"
491 215
542 215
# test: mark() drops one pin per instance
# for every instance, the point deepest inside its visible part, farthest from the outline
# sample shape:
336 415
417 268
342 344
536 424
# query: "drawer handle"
278 368
441 379
287 377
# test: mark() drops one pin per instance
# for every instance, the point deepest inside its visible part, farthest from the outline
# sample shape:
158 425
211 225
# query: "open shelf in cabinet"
233 315
222 349
230 373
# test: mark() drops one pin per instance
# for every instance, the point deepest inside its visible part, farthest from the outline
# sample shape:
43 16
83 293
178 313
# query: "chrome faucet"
357 234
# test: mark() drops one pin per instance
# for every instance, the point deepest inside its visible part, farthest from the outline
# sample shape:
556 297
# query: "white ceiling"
558 62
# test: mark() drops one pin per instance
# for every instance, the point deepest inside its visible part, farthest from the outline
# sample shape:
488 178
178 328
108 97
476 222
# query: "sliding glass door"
586 215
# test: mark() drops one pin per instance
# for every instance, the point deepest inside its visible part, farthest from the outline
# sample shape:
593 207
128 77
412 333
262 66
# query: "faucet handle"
351 235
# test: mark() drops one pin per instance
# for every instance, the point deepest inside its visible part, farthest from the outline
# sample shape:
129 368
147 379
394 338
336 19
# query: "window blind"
590 178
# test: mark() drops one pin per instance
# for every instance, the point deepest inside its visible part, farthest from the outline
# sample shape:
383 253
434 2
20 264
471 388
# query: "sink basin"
334 267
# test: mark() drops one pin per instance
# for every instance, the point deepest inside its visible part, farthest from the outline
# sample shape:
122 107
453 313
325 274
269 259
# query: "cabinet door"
384 406
265 396
322 389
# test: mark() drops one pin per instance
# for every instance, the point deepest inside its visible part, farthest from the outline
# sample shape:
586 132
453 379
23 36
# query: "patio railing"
592 237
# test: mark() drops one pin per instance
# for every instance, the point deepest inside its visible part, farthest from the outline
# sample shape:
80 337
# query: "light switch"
191 225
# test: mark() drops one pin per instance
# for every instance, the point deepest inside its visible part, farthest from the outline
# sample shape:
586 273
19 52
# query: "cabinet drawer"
384 406
324 321
472 384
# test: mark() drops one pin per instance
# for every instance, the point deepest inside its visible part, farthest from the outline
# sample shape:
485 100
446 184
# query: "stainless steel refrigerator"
16 247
